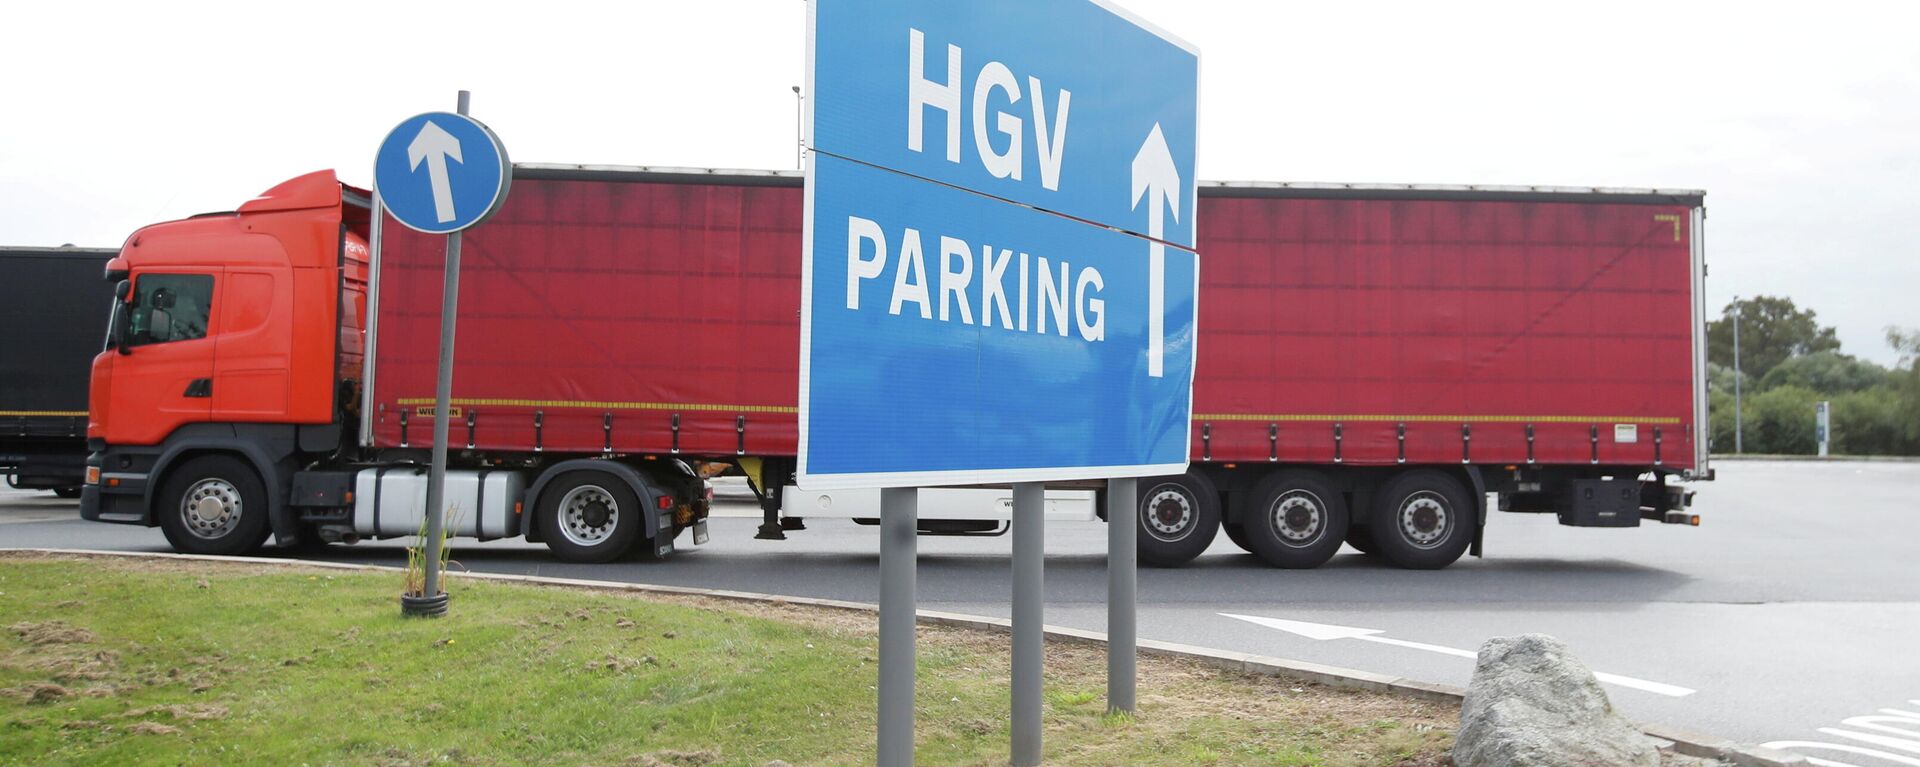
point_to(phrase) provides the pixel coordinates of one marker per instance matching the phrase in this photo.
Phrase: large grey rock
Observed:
(1532, 704)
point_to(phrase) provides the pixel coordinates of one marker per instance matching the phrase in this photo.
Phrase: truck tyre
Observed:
(213, 504)
(1360, 537)
(1295, 519)
(1422, 520)
(1237, 533)
(68, 493)
(1178, 516)
(589, 516)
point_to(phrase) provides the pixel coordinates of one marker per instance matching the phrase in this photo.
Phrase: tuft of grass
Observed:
(414, 576)
(131, 662)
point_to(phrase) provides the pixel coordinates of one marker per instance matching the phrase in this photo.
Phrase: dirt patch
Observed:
(621, 664)
(152, 728)
(43, 633)
(188, 712)
(37, 692)
(670, 758)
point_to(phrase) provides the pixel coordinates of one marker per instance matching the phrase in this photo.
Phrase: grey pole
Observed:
(1738, 427)
(899, 524)
(1122, 594)
(442, 396)
(1823, 424)
(1029, 599)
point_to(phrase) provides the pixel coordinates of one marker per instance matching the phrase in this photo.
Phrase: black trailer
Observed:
(53, 319)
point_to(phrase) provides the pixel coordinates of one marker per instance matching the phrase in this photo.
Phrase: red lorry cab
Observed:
(258, 316)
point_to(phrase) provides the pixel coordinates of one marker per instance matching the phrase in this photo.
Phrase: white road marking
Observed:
(1324, 632)
(1908, 739)
(1784, 745)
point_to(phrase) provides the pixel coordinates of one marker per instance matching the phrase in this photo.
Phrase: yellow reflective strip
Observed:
(1270, 417)
(66, 413)
(587, 404)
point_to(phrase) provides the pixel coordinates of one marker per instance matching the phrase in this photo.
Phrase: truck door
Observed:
(251, 371)
(165, 378)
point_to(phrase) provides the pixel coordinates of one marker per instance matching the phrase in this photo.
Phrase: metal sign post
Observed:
(1122, 579)
(899, 524)
(414, 178)
(999, 284)
(1029, 615)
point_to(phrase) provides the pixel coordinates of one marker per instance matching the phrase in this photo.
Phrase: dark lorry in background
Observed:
(53, 318)
(1374, 361)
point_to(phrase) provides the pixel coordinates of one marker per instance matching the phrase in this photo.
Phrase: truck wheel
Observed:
(1422, 520)
(213, 504)
(1296, 519)
(1179, 515)
(589, 516)
(68, 493)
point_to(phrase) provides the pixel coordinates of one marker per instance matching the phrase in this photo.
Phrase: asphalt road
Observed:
(1793, 608)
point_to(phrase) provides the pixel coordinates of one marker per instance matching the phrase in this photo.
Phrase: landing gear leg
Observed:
(770, 527)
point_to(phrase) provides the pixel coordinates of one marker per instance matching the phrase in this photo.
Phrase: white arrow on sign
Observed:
(1156, 178)
(1324, 632)
(433, 146)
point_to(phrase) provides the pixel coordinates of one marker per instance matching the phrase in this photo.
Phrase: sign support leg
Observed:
(1029, 600)
(1122, 594)
(899, 524)
(442, 400)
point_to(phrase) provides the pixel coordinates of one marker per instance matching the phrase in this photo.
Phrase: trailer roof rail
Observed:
(1518, 193)
(1301, 189)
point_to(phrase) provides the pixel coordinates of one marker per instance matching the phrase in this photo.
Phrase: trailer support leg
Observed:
(766, 486)
(1122, 584)
(770, 529)
(899, 526)
(1029, 600)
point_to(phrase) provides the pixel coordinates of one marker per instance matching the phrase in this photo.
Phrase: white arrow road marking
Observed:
(1784, 745)
(1908, 739)
(434, 145)
(1157, 178)
(1324, 632)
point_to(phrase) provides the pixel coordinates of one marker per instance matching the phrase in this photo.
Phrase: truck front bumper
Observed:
(119, 497)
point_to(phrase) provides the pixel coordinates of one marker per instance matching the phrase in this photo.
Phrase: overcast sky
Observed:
(1801, 121)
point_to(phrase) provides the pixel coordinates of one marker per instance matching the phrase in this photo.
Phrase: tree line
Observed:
(1788, 363)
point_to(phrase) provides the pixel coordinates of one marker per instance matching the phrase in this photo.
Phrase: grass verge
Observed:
(119, 661)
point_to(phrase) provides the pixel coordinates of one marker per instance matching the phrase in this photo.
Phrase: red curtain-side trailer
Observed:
(1373, 360)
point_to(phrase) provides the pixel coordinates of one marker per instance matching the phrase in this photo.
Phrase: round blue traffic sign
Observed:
(441, 172)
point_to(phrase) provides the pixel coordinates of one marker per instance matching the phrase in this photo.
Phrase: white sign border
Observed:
(962, 477)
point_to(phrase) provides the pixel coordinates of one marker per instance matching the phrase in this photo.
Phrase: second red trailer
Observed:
(1544, 344)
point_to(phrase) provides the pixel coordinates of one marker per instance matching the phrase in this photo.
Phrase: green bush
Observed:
(1868, 423)
(1781, 421)
(1827, 372)
(1720, 421)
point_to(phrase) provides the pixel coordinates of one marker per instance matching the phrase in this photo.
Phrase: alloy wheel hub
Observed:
(1297, 517)
(1424, 519)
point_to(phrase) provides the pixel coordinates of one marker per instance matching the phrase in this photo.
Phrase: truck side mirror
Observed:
(122, 315)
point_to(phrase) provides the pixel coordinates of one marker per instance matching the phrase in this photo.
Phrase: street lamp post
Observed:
(799, 128)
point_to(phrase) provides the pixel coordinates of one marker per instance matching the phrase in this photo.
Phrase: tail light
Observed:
(664, 502)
